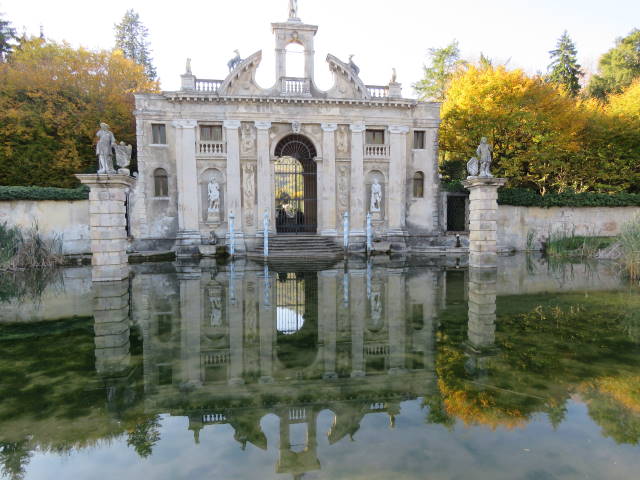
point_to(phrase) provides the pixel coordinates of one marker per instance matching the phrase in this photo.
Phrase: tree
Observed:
(7, 35)
(627, 103)
(52, 98)
(443, 63)
(131, 38)
(617, 68)
(564, 68)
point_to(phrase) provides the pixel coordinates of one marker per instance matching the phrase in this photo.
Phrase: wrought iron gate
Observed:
(296, 186)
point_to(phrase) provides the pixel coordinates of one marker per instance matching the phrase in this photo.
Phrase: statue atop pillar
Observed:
(480, 166)
(293, 10)
(104, 150)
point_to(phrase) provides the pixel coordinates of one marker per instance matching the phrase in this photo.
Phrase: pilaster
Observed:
(265, 182)
(397, 178)
(328, 195)
(234, 182)
(356, 214)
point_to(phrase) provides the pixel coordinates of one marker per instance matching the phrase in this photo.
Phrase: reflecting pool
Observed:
(389, 369)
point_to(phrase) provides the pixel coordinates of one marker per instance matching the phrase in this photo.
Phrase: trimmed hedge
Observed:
(529, 198)
(43, 193)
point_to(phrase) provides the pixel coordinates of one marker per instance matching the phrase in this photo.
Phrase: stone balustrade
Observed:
(295, 87)
(377, 151)
(220, 357)
(208, 86)
(378, 91)
(211, 149)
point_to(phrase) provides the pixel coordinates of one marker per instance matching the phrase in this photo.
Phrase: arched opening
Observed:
(294, 60)
(296, 185)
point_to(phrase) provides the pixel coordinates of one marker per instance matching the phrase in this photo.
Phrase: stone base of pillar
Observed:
(187, 243)
(329, 233)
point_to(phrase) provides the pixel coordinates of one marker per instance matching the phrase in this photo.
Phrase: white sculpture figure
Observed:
(376, 196)
(394, 76)
(484, 151)
(123, 157)
(213, 193)
(376, 309)
(188, 67)
(472, 167)
(216, 310)
(293, 9)
(104, 149)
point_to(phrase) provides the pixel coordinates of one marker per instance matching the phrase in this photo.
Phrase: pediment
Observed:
(242, 79)
(347, 83)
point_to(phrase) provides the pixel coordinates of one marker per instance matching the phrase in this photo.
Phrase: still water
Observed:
(386, 370)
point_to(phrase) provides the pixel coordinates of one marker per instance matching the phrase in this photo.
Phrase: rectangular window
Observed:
(375, 137)
(211, 133)
(418, 140)
(159, 133)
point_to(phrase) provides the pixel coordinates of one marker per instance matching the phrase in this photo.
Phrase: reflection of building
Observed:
(304, 155)
(353, 341)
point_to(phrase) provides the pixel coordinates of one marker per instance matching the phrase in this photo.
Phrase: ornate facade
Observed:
(304, 156)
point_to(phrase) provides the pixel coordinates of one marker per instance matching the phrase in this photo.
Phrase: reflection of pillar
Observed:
(236, 328)
(483, 220)
(395, 299)
(357, 311)
(267, 325)
(397, 178)
(233, 198)
(190, 323)
(482, 307)
(265, 183)
(111, 327)
(328, 195)
(327, 298)
(357, 179)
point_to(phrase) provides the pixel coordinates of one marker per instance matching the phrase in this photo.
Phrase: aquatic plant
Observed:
(28, 248)
(630, 247)
(564, 243)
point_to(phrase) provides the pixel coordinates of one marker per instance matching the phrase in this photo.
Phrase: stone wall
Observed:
(70, 219)
(516, 224)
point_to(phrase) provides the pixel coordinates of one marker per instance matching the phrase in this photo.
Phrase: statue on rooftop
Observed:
(104, 149)
(293, 9)
(188, 67)
(394, 76)
(235, 61)
(353, 66)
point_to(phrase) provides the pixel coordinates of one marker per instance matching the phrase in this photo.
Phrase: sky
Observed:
(382, 34)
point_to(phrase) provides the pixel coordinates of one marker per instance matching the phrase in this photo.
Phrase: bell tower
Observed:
(294, 31)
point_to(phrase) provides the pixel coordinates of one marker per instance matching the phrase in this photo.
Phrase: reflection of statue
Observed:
(293, 9)
(376, 308)
(216, 310)
(213, 193)
(123, 157)
(376, 196)
(104, 149)
(484, 154)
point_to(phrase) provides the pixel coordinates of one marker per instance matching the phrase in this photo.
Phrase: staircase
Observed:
(299, 247)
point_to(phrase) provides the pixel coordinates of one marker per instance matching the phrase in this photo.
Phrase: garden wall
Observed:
(516, 224)
(67, 218)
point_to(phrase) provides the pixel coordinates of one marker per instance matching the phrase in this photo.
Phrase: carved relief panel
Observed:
(248, 193)
(247, 139)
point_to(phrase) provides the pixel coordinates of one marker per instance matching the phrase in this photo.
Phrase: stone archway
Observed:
(295, 189)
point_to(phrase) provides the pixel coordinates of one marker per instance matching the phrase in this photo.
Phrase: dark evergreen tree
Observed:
(7, 36)
(564, 68)
(131, 38)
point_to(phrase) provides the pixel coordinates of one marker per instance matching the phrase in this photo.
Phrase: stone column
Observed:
(327, 298)
(265, 182)
(483, 220)
(108, 225)
(188, 237)
(357, 214)
(233, 197)
(111, 327)
(328, 196)
(397, 179)
(357, 316)
(190, 323)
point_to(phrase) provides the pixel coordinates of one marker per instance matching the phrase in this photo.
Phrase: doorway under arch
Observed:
(296, 188)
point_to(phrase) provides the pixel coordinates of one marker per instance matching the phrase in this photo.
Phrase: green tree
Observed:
(617, 68)
(7, 36)
(443, 63)
(564, 68)
(131, 38)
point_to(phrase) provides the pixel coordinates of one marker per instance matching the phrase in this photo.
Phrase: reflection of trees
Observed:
(14, 457)
(144, 435)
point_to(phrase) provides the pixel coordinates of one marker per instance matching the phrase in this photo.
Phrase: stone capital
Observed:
(357, 127)
(398, 129)
(329, 127)
(184, 123)
(260, 125)
(231, 124)
(479, 182)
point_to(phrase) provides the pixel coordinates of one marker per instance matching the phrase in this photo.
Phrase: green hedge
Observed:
(529, 198)
(43, 193)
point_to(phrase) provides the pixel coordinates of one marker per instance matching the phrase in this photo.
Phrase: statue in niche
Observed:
(484, 151)
(104, 149)
(248, 139)
(216, 309)
(376, 196)
(293, 9)
(123, 157)
(213, 196)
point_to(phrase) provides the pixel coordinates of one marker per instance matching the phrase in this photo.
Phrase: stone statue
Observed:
(235, 61)
(472, 167)
(484, 151)
(394, 76)
(188, 67)
(376, 196)
(293, 9)
(353, 66)
(123, 157)
(213, 193)
(104, 149)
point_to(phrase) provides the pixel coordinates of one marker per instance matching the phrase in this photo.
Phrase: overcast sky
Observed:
(381, 33)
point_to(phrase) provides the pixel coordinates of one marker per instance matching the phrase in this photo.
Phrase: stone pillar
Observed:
(357, 214)
(327, 299)
(111, 327)
(188, 237)
(233, 197)
(328, 196)
(397, 179)
(265, 182)
(397, 321)
(190, 323)
(108, 225)
(482, 307)
(357, 315)
(235, 319)
(483, 220)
